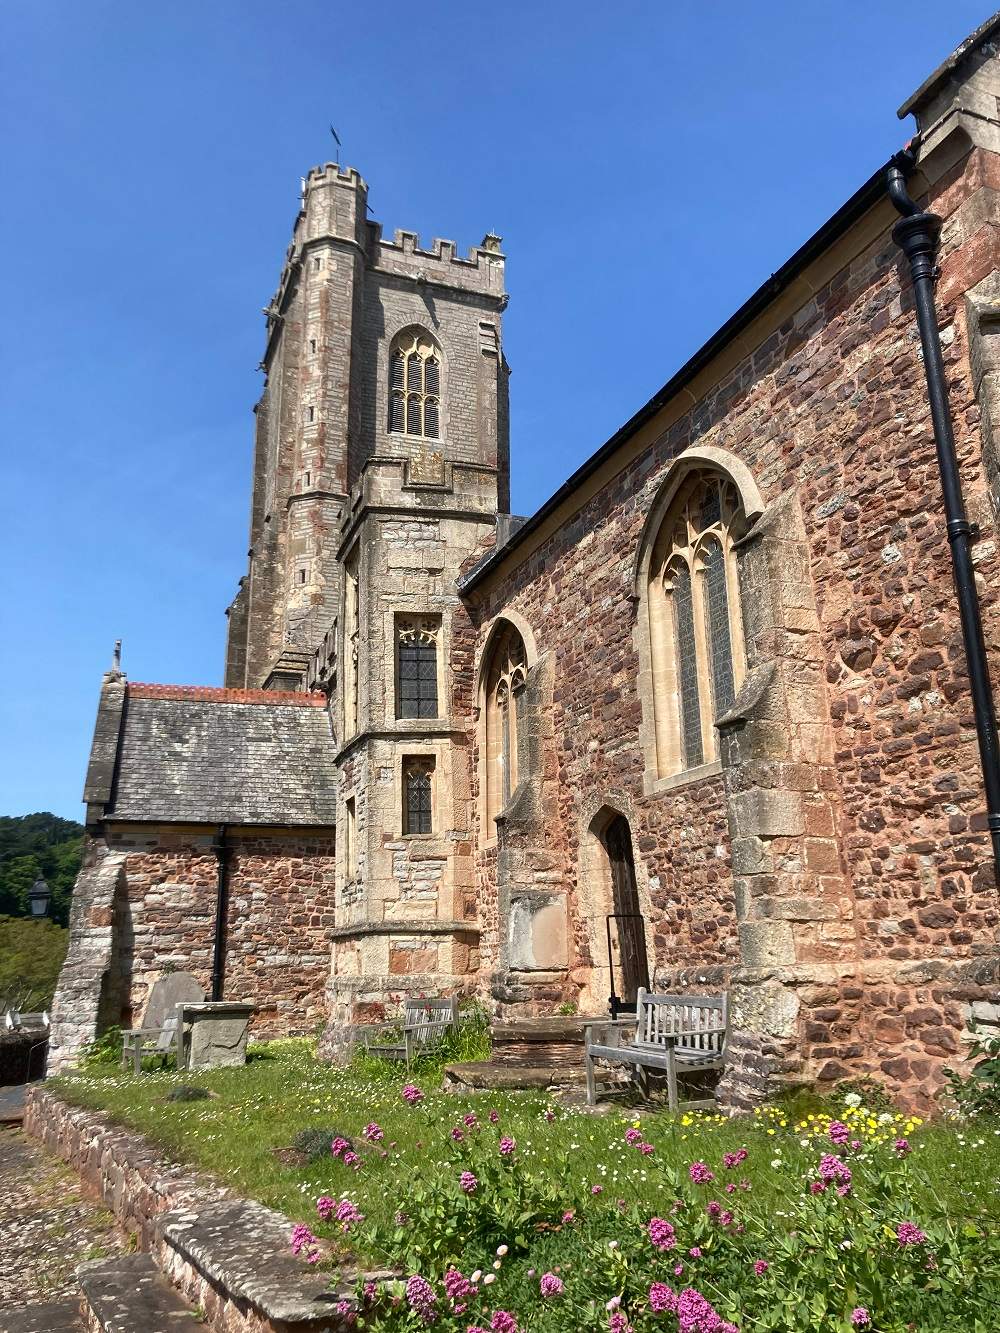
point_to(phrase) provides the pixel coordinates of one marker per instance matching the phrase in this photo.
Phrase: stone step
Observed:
(553, 1028)
(551, 1054)
(499, 1075)
(52, 1317)
(127, 1294)
(233, 1255)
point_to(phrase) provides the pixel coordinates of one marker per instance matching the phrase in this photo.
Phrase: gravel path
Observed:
(47, 1226)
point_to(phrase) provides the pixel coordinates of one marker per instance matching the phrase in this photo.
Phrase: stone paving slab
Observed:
(128, 1294)
(52, 1317)
(12, 1104)
(47, 1225)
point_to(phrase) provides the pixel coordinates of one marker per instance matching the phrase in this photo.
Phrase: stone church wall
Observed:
(828, 410)
(279, 922)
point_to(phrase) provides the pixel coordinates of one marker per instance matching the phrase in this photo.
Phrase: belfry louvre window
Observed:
(418, 791)
(415, 385)
(417, 667)
(695, 623)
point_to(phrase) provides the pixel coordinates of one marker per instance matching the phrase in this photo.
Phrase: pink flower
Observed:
(760, 1267)
(502, 1322)
(833, 1171)
(412, 1094)
(352, 1160)
(304, 1242)
(902, 1147)
(457, 1134)
(700, 1173)
(839, 1133)
(662, 1234)
(550, 1115)
(339, 1145)
(908, 1234)
(470, 1121)
(597, 1189)
(507, 1146)
(373, 1133)
(457, 1288)
(325, 1206)
(731, 1159)
(730, 1188)
(646, 1149)
(348, 1214)
(421, 1298)
(494, 1117)
(662, 1298)
(632, 1137)
(550, 1285)
(696, 1315)
(618, 1323)
(695, 1251)
(860, 1317)
(468, 1182)
(744, 1184)
(569, 1216)
(714, 1209)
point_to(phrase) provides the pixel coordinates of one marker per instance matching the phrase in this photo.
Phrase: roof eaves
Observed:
(845, 217)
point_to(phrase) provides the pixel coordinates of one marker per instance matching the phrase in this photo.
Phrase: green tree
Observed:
(31, 954)
(33, 845)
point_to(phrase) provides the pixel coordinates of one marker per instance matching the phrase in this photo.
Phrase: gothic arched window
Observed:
(695, 624)
(415, 385)
(504, 679)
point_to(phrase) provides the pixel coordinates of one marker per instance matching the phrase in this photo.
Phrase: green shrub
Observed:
(979, 1090)
(315, 1143)
(187, 1093)
(103, 1051)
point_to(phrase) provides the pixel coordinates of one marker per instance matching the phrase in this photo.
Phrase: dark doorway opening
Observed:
(626, 926)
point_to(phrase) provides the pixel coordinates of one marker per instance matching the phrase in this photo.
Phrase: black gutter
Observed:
(917, 235)
(221, 849)
(859, 203)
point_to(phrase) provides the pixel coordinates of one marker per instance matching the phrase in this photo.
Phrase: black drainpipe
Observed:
(221, 849)
(917, 236)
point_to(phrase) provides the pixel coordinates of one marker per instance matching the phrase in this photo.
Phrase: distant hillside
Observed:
(38, 844)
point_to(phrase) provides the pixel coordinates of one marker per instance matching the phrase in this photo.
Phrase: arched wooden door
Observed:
(632, 970)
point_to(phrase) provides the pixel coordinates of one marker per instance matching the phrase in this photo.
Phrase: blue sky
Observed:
(151, 162)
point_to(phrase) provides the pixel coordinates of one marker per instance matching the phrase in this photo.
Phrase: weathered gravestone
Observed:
(169, 991)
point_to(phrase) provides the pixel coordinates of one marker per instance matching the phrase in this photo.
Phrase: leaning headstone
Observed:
(169, 991)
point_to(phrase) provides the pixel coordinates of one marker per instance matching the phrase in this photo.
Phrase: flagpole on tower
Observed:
(340, 146)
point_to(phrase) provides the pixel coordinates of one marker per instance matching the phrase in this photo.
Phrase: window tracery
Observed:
(695, 625)
(417, 666)
(503, 683)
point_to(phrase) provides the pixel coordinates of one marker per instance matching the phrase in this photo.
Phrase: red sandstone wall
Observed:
(833, 404)
(281, 913)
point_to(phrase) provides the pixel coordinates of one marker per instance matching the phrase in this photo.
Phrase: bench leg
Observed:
(671, 1079)
(591, 1080)
(137, 1058)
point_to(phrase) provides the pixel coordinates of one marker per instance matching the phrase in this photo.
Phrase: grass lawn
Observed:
(256, 1112)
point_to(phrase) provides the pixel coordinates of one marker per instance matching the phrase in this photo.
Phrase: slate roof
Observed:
(188, 754)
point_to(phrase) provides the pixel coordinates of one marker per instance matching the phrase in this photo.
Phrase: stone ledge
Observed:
(230, 1256)
(241, 1248)
(128, 1293)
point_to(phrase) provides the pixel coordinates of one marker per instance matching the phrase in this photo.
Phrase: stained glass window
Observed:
(720, 641)
(696, 632)
(687, 669)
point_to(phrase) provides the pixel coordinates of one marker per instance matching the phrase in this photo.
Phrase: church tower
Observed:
(380, 464)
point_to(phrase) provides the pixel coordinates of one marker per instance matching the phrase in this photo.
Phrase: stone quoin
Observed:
(714, 688)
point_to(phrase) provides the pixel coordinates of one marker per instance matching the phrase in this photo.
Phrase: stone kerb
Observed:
(228, 1255)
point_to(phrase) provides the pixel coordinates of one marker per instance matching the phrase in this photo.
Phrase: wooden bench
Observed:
(424, 1023)
(674, 1034)
(15, 1021)
(162, 1041)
